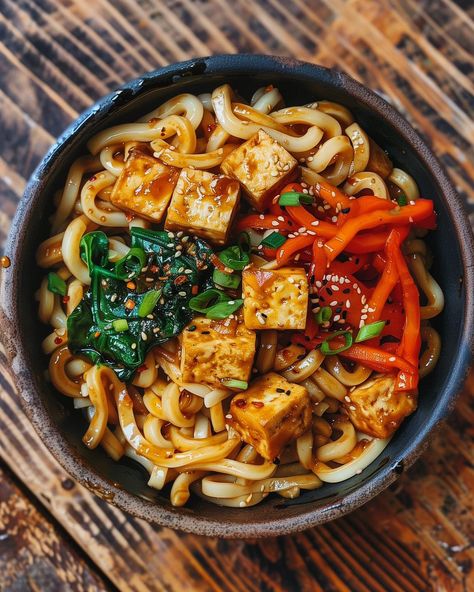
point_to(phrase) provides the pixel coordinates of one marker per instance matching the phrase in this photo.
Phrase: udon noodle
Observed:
(221, 385)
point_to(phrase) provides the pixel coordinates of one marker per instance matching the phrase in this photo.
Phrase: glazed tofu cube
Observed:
(144, 186)
(203, 204)
(262, 166)
(212, 351)
(376, 409)
(275, 299)
(270, 414)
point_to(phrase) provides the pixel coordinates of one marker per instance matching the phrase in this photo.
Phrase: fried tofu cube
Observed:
(270, 414)
(262, 166)
(376, 409)
(203, 204)
(212, 352)
(275, 299)
(144, 186)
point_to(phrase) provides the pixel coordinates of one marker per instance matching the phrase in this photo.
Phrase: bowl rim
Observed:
(153, 512)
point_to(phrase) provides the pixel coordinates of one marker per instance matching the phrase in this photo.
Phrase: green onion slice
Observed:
(402, 199)
(207, 299)
(223, 309)
(274, 240)
(233, 383)
(323, 315)
(370, 331)
(326, 348)
(120, 325)
(149, 302)
(234, 257)
(244, 242)
(294, 198)
(56, 284)
(226, 280)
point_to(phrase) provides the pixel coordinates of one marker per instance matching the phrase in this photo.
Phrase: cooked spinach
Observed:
(159, 275)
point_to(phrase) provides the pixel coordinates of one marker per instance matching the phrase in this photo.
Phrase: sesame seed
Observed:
(143, 335)
(336, 318)
(231, 302)
(170, 245)
(170, 235)
(318, 284)
(177, 254)
(302, 229)
(281, 218)
(315, 223)
(392, 359)
(333, 303)
(134, 346)
(275, 223)
(262, 217)
(113, 298)
(182, 293)
(348, 303)
(334, 287)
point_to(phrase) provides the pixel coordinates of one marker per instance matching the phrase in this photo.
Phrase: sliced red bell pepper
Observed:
(265, 221)
(405, 215)
(389, 277)
(332, 195)
(292, 246)
(377, 359)
(410, 344)
(319, 263)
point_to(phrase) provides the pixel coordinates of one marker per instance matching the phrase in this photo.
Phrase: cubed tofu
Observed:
(270, 414)
(203, 204)
(262, 166)
(376, 409)
(212, 352)
(144, 187)
(275, 299)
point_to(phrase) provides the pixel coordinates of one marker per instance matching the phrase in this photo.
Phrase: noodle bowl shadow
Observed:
(125, 484)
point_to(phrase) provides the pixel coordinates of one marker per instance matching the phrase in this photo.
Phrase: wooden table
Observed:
(59, 56)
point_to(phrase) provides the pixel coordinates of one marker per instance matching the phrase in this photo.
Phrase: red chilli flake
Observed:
(141, 368)
(257, 404)
(66, 299)
(97, 334)
(58, 340)
(93, 178)
(240, 403)
(194, 290)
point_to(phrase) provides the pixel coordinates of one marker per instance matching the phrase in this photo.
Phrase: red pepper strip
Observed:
(379, 262)
(332, 195)
(312, 327)
(267, 252)
(255, 221)
(292, 246)
(389, 277)
(398, 215)
(410, 344)
(364, 205)
(319, 263)
(377, 359)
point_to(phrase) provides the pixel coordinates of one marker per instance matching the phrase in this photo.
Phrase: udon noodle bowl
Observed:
(239, 295)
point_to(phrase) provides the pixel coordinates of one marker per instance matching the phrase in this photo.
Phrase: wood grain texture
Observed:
(59, 56)
(34, 553)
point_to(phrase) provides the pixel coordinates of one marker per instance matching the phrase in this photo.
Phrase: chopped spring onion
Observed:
(234, 257)
(223, 309)
(370, 331)
(294, 198)
(244, 242)
(326, 348)
(402, 200)
(232, 383)
(120, 325)
(56, 284)
(323, 315)
(273, 240)
(226, 280)
(205, 300)
(148, 303)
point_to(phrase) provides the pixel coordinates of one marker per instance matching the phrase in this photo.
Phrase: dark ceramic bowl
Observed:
(125, 485)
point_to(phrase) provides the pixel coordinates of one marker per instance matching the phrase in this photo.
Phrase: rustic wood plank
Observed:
(34, 553)
(57, 57)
